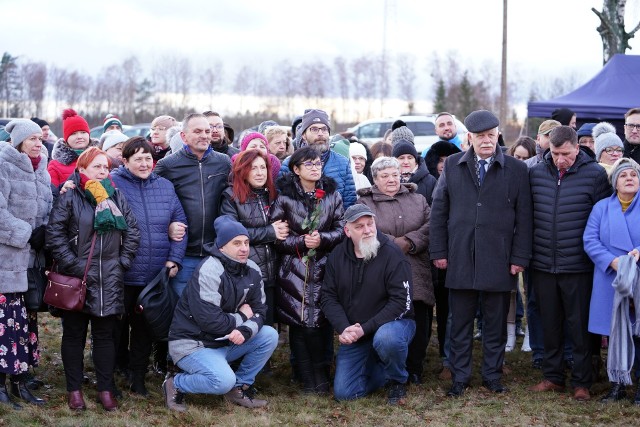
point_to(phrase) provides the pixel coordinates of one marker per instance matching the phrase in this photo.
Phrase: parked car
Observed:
(140, 129)
(97, 131)
(423, 128)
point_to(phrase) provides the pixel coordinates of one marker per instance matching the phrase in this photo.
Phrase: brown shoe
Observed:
(244, 396)
(445, 375)
(546, 385)
(109, 402)
(581, 394)
(76, 401)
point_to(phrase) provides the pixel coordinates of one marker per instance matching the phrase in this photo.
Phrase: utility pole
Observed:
(503, 77)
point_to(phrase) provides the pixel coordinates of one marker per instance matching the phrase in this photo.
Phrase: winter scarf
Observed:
(621, 349)
(107, 216)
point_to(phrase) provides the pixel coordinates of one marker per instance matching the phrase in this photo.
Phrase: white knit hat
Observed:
(357, 149)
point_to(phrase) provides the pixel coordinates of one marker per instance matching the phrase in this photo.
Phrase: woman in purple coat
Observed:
(612, 231)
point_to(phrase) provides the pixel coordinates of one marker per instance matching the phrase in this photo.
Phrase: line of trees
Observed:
(175, 84)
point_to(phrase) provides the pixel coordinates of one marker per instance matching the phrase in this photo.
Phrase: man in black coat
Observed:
(481, 233)
(564, 188)
(632, 134)
(366, 296)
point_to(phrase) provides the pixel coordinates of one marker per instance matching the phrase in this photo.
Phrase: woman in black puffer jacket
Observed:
(313, 209)
(78, 214)
(248, 200)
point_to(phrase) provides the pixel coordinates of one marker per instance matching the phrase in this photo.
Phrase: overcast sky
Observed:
(546, 37)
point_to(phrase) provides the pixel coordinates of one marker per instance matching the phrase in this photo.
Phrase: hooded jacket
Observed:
(199, 185)
(69, 234)
(25, 203)
(208, 307)
(155, 205)
(561, 208)
(254, 214)
(371, 293)
(63, 161)
(406, 214)
(298, 303)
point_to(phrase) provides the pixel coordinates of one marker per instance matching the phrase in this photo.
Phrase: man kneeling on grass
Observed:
(219, 319)
(366, 295)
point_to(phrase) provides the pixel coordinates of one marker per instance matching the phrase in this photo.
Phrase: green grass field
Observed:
(426, 404)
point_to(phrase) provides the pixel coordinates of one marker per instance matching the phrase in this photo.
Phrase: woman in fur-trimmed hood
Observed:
(68, 148)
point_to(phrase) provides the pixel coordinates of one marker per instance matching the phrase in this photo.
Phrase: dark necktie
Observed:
(482, 170)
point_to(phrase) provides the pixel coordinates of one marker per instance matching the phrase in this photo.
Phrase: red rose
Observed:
(320, 193)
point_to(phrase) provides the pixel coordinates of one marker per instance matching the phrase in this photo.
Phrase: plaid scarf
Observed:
(107, 215)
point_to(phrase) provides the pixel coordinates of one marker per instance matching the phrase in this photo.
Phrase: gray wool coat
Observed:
(405, 214)
(482, 230)
(25, 203)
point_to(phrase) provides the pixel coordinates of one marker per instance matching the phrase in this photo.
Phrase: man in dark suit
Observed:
(481, 233)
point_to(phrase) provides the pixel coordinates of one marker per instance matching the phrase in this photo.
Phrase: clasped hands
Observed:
(351, 334)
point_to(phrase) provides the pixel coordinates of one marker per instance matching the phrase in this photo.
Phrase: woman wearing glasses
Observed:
(608, 145)
(312, 207)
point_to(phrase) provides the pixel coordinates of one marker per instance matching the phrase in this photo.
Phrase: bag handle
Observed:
(93, 245)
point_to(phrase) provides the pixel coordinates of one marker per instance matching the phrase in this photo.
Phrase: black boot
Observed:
(32, 382)
(20, 390)
(636, 399)
(320, 379)
(5, 399)
(305, 371)
(137, 384)
(616, 392)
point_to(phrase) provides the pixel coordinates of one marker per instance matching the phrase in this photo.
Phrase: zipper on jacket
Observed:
(554, 228)
(266, 246)
(100, 278)
(146, 218)
(203, 208)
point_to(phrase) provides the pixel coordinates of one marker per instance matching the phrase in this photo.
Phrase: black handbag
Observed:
(34, 297)
(156, 302)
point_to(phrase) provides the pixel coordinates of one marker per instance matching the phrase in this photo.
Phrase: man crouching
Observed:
(219, 318)
(366, 295)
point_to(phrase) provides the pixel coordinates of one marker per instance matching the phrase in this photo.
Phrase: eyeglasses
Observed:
(611, 150)
(632, 126)
(312, 165)
(316, 130)
(217, 127)
(158, 129)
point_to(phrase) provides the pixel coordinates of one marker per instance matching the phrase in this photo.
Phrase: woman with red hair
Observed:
(92, 215)
(248, 199)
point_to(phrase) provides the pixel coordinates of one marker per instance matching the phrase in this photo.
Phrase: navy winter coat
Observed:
(155, 205)
(561, 209)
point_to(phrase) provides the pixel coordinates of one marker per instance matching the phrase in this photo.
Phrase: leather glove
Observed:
(403, 243)
(37, 238)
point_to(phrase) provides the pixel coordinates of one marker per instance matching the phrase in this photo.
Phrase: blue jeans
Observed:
(208, 370)
(360, 370)
(189, 264)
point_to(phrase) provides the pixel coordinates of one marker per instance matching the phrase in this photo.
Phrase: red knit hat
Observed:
(72, 122)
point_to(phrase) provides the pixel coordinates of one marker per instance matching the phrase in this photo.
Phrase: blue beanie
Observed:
(227, 229)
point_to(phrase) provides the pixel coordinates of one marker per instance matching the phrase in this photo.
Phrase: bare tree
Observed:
(406, 78)
(9, 80)
(210, 80)
(342, 77)
(285, 82)
(35, 77)
(614, 37)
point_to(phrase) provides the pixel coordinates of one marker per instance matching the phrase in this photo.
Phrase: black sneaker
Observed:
(457, 389)
(494, 386)
(396, 394)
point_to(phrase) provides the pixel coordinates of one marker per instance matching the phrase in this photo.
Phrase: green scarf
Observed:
(107, 216)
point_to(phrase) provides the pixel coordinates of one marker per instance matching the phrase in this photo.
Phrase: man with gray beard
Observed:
(366, 296)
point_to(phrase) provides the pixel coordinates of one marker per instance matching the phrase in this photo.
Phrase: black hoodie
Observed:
(370, 293)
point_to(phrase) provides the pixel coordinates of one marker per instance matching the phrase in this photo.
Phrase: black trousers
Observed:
(74, 338)
(141, 338)
(463, 305)
(442, 306)
(565, 297)
(418, 347)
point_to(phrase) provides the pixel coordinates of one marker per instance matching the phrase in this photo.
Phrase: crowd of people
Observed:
(323, 236)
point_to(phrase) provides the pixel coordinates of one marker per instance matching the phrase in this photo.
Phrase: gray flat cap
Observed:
(481, 120)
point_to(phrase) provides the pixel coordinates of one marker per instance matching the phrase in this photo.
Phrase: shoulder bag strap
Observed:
(86, 269)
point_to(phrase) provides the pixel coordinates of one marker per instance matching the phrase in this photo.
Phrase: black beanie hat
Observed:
(563, 115)
(404, 147)
(398, 123)
(39, 122)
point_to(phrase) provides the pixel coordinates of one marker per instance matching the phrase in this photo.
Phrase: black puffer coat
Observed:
(255, 216)
(424, 180)
(561, 209)
(293, 205)
(69, 235)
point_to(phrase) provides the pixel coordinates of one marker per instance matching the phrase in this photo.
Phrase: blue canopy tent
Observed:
(607, 96)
